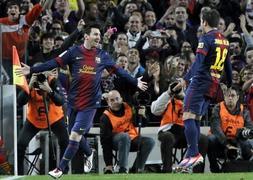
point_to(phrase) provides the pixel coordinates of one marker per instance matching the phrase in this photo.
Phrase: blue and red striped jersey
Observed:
(211, 59)
(86, 67)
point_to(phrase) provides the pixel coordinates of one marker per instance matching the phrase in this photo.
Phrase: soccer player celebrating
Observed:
(86, 63)
(203, 81)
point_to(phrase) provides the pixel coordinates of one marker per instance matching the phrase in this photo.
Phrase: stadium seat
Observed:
(32, 164)
(175, 158)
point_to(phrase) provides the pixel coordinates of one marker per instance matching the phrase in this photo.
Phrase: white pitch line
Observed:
(13, 177)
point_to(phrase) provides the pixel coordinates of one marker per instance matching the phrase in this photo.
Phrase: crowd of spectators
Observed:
(155, 39)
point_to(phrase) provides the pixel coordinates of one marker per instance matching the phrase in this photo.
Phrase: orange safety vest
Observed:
(173, 115)
(124, 123)
(36, 113)
(230, 123)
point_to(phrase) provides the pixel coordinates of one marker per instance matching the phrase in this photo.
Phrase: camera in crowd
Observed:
(245, 133)
(41, 78)
(176, 93)
(233, 153)
(172, 85)
(142, 98)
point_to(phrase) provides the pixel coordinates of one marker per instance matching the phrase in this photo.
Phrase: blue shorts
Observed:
(81, 121)
(195, 101)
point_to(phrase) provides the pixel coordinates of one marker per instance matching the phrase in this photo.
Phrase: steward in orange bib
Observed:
(119, 133)
(230, 127)
(169, 105)
(36, 114)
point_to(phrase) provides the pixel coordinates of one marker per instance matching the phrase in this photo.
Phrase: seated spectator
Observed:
(36, 114)
(150, 20)
(153, 72)
(134, 67)
(229, 119)
(248, 88)
(226, 31)
(168, 20)
(237, 83)
(174, 67)
(180, 68)
(249, 56)
(119, 133)
(235, 48)
(16, 31)
(57, 28)
(69, 18)
(161, 41)
(143, 6)
(122, 12)
(91, 12)
(171, 132)
(168, 69)
(104, 12)
(118, 46)
(134, 30)
(187, 52)
(58, 41)
(185, 32)
(25, 6)
(45, 22)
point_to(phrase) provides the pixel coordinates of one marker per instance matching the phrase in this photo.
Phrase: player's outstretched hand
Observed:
(141, 84)
(25, 70)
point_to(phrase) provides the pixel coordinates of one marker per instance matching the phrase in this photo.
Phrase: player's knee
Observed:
(74, 136)
(191, 115)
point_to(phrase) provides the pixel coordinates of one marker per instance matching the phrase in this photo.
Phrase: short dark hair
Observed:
(56, 21)
(121, 55)
(235, 39)
(151, 53)
(47, 36)
(12, 3)
(235, 88)
(119, 33)
(87, 29)
(59, 38)
(250, 48)
(211, 16)
(248, 67)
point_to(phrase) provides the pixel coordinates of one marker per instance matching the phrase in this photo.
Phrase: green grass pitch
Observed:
(206, 176)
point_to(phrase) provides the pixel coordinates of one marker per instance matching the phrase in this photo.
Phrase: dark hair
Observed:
(87, 29)
(87, 7)
(46, 36)
(212, 17)
(235, 88)
(235, 39)
(56, 21)
(12, 3)
(248, 67)
(59, 38)
(120, 55)
(119, 33)
(152, 54)
(250, 48)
